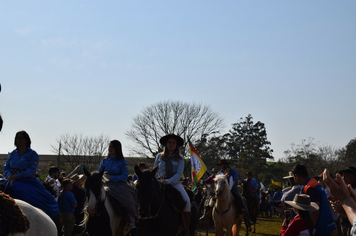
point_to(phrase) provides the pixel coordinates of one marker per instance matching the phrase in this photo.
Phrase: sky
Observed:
(89, 67)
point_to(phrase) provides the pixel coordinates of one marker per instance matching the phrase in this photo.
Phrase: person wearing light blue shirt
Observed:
(170, 169)
(20, 181)
(116, 173)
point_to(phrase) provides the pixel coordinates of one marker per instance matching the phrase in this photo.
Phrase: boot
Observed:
(207, 209)
(186, 223)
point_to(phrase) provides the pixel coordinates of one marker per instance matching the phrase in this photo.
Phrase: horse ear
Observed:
(102, 171)
(87, 173)
(154, 170)
(137, 170)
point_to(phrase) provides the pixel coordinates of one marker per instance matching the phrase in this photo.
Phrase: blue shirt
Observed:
(254, 184)
(117, 169)
(178, 167)
(277, 196)
(233, 173)
(66, 201)
(28, 162)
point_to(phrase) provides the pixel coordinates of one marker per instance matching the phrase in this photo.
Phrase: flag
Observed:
(274, 181)
(262, 186)
(198, 166)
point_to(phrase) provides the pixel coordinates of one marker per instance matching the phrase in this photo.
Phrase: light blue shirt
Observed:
(117, 169)
(178, 168)
(28, 162)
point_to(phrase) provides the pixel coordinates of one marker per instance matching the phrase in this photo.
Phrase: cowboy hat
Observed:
(290, 176)
(350, 169)
(302, 202)
(249, 173)
(223, 162)
(76, 178)
(164, 139)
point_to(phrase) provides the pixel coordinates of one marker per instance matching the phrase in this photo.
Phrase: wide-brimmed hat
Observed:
(76, 178)
(164, 139)
(213, 170)
(249, 173)
(350, 169)
(223, 162)
(290, 176)
(66, 181)
(302, 202)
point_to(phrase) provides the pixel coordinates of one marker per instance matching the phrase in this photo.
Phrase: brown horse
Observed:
(252, 204)
(224, 211)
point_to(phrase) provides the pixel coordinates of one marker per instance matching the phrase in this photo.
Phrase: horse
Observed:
(102, 215)
(208, 192)
(159, 206)
(224, 211)
(18, 218)
(252, 204)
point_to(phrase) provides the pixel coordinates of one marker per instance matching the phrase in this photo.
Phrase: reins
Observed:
(150, 205)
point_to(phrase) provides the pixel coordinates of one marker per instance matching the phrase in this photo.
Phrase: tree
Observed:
(247, 142)
(350, 155)
(190, 121)
(78, 149)
(315, 158)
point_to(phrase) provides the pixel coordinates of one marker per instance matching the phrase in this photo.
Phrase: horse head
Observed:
(221, 186)
(147, 190)
(94, 190)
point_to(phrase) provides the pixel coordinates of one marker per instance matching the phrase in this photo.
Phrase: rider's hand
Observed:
(163, 181)
(11, 177)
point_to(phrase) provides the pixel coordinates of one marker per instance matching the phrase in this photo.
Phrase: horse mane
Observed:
(12, 218)
(220, 177)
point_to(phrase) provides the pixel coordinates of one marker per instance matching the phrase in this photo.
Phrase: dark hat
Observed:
(223, 162)
(249, 173)
(350, 169)
(164, 139)
(302, 202)
(227, 167)
(66, 181)
(213, 170)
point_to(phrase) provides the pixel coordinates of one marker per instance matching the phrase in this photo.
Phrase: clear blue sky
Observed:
(89, 67)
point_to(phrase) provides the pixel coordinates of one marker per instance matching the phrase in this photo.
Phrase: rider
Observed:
(253, 186)
(21, 183)
(170, 169)
(116, 173)
(240, 205)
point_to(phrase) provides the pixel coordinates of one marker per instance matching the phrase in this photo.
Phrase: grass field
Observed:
(264, 226)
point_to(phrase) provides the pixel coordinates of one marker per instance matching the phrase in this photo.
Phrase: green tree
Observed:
(247, 142)
(350, 155)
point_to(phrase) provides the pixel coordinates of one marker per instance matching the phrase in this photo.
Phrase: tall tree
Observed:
(78, 149)
(247, 142)
(350, 155)
(190, 121)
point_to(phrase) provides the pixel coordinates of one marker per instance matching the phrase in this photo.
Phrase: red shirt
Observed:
(296, 227)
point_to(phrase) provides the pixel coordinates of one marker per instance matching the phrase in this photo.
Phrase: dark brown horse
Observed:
(159, 206)
(252, 204)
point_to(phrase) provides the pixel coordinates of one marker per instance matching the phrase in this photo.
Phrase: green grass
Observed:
(264, 226)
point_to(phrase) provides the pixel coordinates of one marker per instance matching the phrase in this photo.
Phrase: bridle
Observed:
(150, 217)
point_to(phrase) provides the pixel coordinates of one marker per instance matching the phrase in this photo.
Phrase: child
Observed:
(67, 204)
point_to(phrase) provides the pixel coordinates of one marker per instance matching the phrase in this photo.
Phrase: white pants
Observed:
(185, 196)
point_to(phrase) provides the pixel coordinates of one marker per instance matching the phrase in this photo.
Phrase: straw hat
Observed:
(76, 178)
(290, 176)
(302, 202)
(164, 139)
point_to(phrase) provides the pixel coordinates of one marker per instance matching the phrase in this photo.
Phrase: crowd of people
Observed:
(321, 205)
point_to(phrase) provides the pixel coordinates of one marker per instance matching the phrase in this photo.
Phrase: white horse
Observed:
(19, 218)
(40, 223)
(224, 211)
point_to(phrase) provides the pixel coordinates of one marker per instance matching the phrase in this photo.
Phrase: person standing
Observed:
(290, 194)
(79, 195)
(52, 181)
(170, 169)
(116, 173)
(322, 218)
(67, 204)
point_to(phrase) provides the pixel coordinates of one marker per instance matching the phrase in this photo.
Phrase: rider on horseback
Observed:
(253, 186)
(170, 169)
(232, 176)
